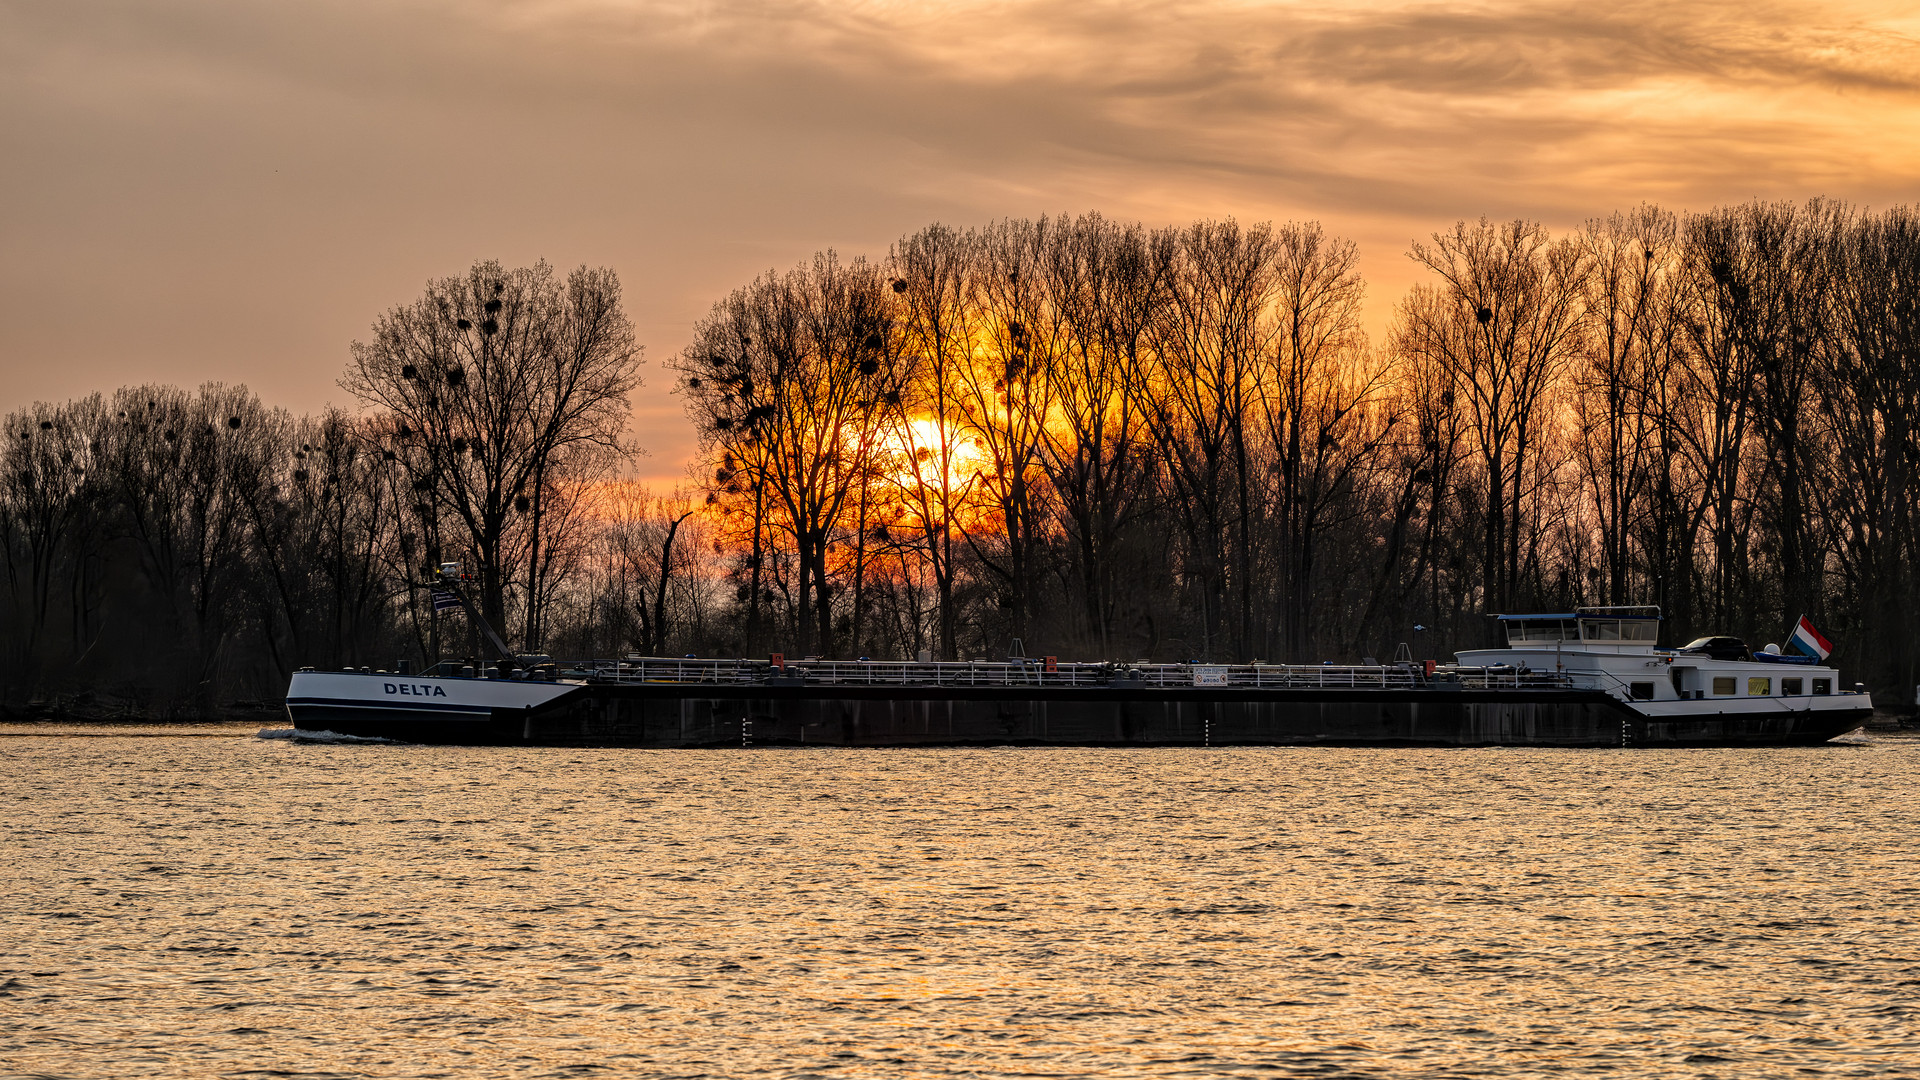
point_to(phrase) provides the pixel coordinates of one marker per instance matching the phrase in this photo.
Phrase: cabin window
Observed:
(1723, 686)
(1641, 691)
(1759, 686)
(1791, 687)
(1823, 686)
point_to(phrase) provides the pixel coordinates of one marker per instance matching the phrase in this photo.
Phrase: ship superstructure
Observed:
(1613, 650)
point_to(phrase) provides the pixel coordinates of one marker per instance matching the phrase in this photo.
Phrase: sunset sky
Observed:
(229, 190)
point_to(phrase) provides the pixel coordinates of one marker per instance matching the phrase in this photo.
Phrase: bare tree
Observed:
(49, 529)
(1005, 398)
(1630, 350)
(791, 369)
(1868, 386)
(939, 327)
(321, 523)
(492, 384)
(1504, 322)
(649, 542)
(1314, 389)
(1210, 341)
(173, 467)
(1768, 287)
(1107, 281)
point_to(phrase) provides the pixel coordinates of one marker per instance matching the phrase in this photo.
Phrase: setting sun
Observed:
(916, 453)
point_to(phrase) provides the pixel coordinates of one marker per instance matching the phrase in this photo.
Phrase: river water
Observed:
(225, 905)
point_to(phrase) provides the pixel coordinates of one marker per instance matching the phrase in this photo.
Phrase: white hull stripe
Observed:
(399, 706)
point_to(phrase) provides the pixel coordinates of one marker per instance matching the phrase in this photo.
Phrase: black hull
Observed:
(664, 716)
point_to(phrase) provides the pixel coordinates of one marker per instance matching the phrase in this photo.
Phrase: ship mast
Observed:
(447, 579)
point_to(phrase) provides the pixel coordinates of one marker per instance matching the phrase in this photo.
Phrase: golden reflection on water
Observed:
(231, 906)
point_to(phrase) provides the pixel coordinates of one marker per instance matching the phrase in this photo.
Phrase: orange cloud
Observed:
(228, 190)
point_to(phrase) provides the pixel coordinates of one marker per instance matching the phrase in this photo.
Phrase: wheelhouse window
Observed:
(1641, 691)
(1723, 686)
(1541, 631)
(1822, 686)
(1791, 687)
(1635, 630)
(1760, 686)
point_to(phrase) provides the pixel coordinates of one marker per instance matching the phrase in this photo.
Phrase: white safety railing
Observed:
(1037, 673)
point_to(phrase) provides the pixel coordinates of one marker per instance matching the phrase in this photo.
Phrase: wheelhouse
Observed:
(1637, 627)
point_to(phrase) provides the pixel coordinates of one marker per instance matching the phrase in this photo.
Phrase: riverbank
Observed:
(103, 708)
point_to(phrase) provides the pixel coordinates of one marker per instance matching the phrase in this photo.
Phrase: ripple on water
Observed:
(274, 908)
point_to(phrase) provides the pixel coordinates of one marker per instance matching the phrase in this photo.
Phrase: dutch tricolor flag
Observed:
(1809, 641)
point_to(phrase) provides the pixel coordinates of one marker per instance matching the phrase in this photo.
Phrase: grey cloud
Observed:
(1584, 46)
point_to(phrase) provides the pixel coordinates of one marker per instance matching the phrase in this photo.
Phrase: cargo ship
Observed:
(1592, 677)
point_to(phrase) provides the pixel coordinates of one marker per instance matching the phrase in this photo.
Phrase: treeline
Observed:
(1111, 441)
(1105, 440)
(168, 552)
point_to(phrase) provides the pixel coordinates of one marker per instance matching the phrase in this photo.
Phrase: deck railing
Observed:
(1037, 673)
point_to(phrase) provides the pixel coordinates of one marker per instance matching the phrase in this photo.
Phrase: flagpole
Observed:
(447, 582)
